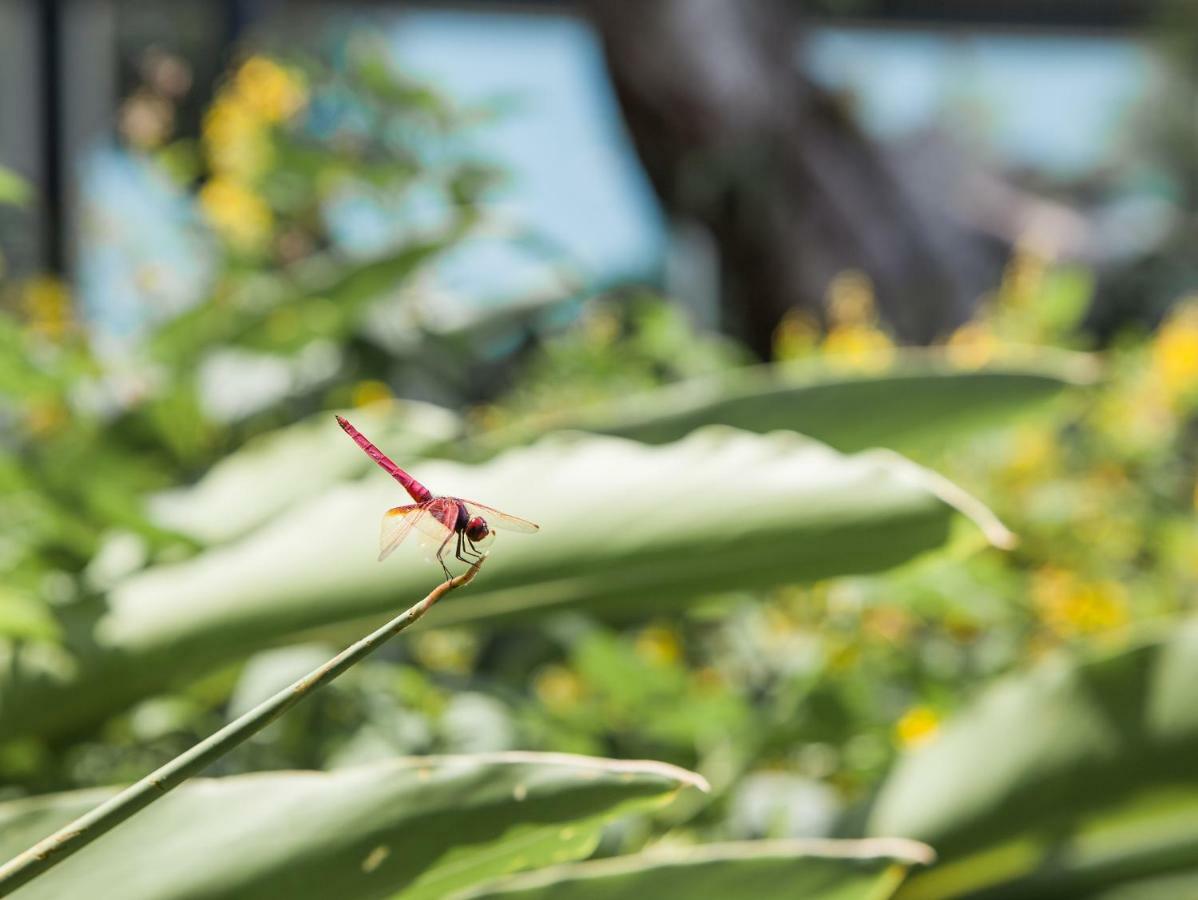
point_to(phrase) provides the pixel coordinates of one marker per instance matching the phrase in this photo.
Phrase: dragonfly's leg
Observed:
(471, 556)
(441, 556)
(461, 549)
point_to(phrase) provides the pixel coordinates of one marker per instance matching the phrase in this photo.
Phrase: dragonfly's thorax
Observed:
(463, 518)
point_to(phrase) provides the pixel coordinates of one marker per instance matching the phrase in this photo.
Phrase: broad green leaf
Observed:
(921, 399)
(761, 870)
(1076, 775)
(913, 402)
(425, 827)
(283, 468)
(627, 530)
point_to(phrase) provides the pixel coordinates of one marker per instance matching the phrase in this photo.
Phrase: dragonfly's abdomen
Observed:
(415, 489)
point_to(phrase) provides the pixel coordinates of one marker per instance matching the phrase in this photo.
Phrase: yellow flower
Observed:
(235, 138)
(369, 392)
(918, 725)
(1024, 275)
(46, 418)
(887, 623)
(1136, 415)
(659, 645)
(855, 337)
(1033, 455)
(972, 345)
(859, 347)
(557, 687)
(1070, 606)
(236, 212)
(271, 91)
(850, 299)
(1175, 351)
(47, 304)
(797, 335)
(446, 650)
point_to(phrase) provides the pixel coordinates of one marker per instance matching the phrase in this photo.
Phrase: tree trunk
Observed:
(732, 134)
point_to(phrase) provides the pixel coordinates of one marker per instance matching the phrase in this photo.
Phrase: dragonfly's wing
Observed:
(438, 525)
(500, 520)
(397, 524)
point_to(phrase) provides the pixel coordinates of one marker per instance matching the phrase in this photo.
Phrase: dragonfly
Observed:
(467, 525)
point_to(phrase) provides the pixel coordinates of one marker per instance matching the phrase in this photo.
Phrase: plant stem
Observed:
(78, 834)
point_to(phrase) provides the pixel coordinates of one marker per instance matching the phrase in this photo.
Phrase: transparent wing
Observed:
(500, 521)
(437, 525)
(397, 525)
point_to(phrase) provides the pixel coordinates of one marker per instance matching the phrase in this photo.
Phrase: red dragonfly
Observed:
(442, 520)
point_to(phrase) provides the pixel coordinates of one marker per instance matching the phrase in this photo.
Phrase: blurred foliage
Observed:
(92, 429)
(766, 870)
(1007, 795)
(795, 700)
(801, 511)
(432, 827)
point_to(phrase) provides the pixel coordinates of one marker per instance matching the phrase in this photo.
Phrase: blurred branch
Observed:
(78, 834)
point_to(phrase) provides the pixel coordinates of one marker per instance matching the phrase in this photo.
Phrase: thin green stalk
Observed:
(78, 834)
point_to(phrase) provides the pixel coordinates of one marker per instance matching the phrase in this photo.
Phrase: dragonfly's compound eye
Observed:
(477, 529)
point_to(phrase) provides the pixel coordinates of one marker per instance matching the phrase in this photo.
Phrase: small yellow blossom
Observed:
(1033, 454)
(1024, 276)
(659, 645)
(446, 650)
(1136, 416)
(236, 128)
(1175, 351)
(972, 345)
(918, 725)
(850, 300)
(235, 138)
(891, 624)
(797, 335)
(239, 214)
(46, 418)
(370, 392)
(557, 687)
(1070, 606)
(859, 347)
(47, 305)
(855, 338)
(271, 91)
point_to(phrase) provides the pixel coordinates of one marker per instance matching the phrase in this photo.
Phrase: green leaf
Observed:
(428, 827)
(323, 299)
(920, 399)
(279, 470)
(26, 617)
(1076, 775)
(627, 530)
(14, 190)
(762, 870)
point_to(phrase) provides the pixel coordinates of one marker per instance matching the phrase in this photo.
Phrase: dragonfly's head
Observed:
(477, 529)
